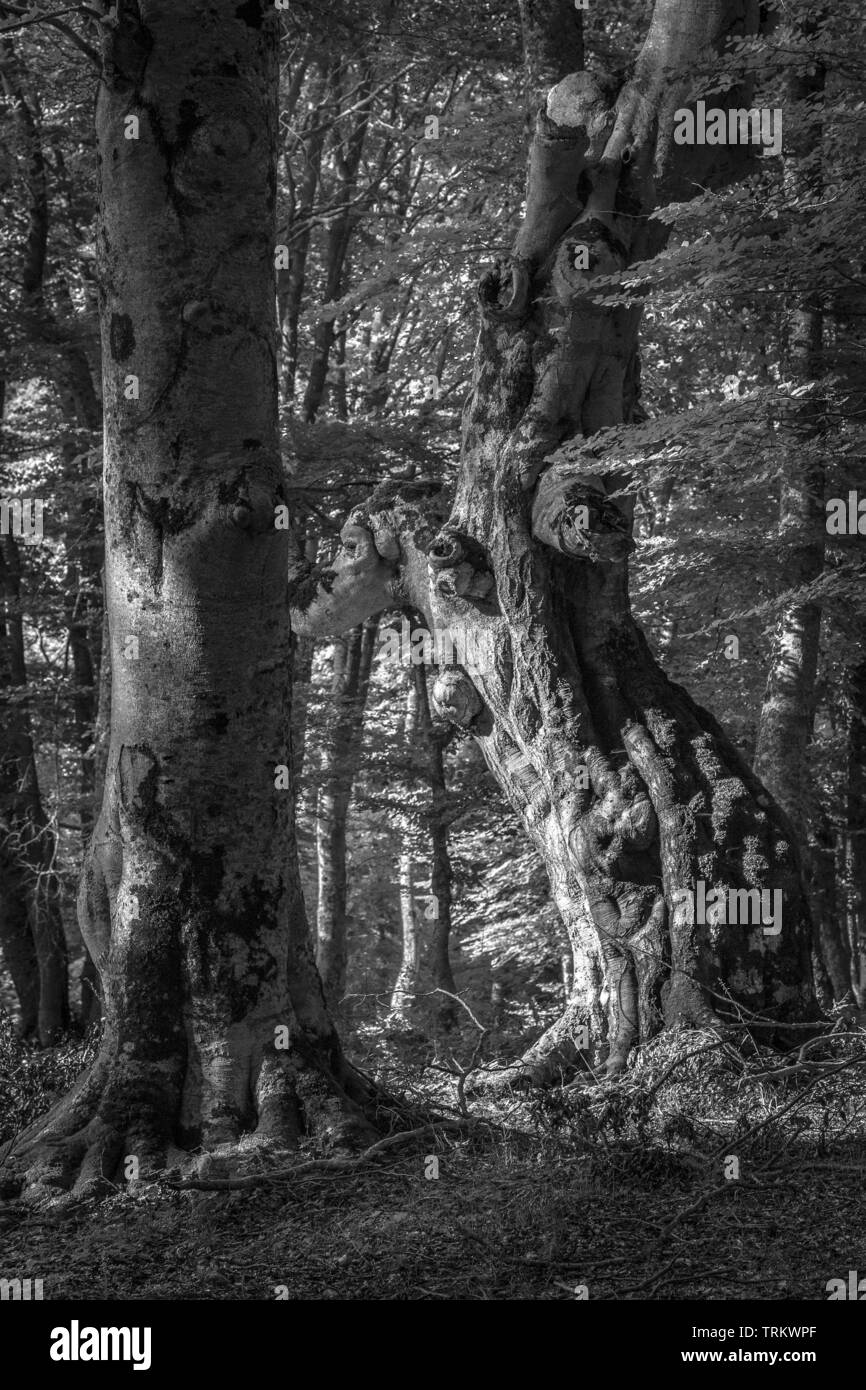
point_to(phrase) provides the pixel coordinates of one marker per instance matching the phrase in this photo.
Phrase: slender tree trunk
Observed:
(16, 943)
(190, 902)
(339, 236)
(353, 658)
(855, 825)
(425, 980)
(29, 842)
(73, 380)
(16, 938)
(827, 908)
(785, 724)
(787, 714)
(339, 393)
(438, 908)
(404, 997)
(13, 79)
(303, 652)
(291, 282)
(788, 710)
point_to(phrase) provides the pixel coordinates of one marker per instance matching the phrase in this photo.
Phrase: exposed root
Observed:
(339, 1163)
(123, 1122)
(552, 1060)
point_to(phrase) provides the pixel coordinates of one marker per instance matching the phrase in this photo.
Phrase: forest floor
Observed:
(702, 1174)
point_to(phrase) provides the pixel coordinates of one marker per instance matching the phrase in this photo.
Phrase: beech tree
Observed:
(216, 1029)
(190, 903)
(632, 792)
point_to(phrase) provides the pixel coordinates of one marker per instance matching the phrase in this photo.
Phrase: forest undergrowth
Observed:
(714, 1169)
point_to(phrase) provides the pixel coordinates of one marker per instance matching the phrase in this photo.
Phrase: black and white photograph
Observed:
(432, 670)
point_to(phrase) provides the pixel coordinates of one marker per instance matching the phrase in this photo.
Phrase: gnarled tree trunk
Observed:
(632, 793)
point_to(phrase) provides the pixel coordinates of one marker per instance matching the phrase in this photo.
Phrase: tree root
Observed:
(122, 1124)
(550, 1061)
(340, 1163)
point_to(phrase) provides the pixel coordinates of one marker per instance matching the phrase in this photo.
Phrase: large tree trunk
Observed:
(190, 903)
(632, 793)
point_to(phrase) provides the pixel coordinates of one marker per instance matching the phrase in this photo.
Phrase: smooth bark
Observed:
(190, 901)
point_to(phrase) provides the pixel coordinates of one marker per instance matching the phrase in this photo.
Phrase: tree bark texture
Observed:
(190, 900)
(632, 793)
